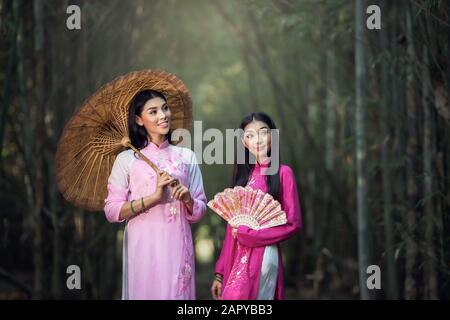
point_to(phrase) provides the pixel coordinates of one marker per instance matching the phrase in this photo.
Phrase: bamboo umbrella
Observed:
(98, 132)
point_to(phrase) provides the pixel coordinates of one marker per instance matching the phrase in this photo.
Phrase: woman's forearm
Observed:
(126, 212)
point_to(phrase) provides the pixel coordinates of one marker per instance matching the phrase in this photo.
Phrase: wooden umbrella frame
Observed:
(98, 131)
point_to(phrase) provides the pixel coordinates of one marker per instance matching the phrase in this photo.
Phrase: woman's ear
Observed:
(139, 121)
(244, 143)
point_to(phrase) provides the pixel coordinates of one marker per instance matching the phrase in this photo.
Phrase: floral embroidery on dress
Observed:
(176, 164)
(184, 278)
(186, 270)
(239, 278)
(172, 211)
(251, 181)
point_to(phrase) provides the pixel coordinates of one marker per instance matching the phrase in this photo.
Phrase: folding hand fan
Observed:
(247, 206)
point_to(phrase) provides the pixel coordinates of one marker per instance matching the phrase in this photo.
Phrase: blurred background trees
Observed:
(333, 90)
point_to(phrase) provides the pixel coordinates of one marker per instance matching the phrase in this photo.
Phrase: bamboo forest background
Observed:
(364, 118)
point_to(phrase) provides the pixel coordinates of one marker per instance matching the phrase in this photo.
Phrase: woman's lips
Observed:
(163, 124)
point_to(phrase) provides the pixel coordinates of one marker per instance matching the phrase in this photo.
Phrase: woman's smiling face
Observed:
(257, 138)
(155, 117)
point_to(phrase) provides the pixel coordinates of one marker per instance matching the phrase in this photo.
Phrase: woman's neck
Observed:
(262, 160)
(157, 139)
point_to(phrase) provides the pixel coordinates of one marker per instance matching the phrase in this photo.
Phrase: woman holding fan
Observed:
(263, 276)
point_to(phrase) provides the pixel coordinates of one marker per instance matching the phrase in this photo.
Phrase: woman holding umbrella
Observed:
(158, 206)
(115, 155)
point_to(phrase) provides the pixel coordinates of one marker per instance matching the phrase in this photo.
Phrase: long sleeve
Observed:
(290, 203)
(118, 188)
(196, 190)
(220, 264)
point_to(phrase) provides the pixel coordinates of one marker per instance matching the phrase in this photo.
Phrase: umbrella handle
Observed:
(126, 142)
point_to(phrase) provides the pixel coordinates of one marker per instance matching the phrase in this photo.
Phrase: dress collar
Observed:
(264, 164)
(261, 166)
(152, 146)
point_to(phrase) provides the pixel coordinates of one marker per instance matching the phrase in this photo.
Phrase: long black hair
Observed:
(242, 172)
(138, 134)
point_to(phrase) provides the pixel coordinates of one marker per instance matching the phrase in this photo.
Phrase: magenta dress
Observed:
(158, 252)
(260, 244)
